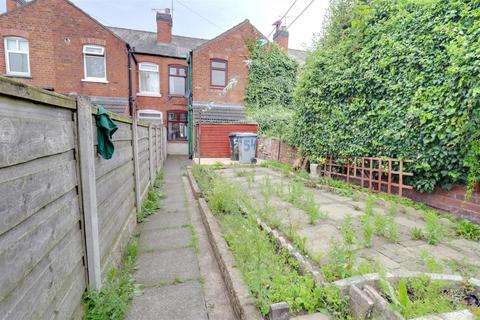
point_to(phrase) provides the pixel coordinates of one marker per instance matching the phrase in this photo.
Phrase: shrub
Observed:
(400, 79)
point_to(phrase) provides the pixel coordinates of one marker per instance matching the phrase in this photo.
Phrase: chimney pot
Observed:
(164, 26)
(281, 37)
(13, 4)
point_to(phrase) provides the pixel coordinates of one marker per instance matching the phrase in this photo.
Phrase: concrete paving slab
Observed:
(165, 221)
(161, 267)
(165, 239)
(174, 302)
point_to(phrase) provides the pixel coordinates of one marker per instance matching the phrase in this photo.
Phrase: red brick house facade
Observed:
(54, 45)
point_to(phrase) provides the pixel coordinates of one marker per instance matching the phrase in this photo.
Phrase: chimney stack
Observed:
(13, 4)
(164, 26)
(281, 37)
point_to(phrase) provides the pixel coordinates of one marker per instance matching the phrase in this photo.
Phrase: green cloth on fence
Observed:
(105, 130)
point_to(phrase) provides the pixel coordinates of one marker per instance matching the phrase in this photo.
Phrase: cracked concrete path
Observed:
(175, 262)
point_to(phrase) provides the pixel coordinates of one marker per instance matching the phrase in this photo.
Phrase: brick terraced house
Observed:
(55, 45)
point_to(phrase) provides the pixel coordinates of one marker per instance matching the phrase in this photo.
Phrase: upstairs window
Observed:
(17, 56)
(149, 79)
(94, 63)
(177, 80)
(218, 73)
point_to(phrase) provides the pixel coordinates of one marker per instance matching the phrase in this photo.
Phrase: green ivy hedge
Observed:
(269, 94)
(396, 78)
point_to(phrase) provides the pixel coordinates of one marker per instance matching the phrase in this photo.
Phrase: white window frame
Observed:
(7, 62)
(147, 93)
(102, 54)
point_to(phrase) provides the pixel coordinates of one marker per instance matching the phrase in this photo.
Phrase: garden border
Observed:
(239, 295)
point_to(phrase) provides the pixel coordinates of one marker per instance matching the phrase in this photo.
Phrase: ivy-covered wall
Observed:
(272, 79)
(396, 78)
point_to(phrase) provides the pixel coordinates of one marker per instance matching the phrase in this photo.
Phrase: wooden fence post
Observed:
(89, 192)
(136, 167)
(151, 154)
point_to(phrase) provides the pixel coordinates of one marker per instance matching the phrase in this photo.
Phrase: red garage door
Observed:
(214, 141)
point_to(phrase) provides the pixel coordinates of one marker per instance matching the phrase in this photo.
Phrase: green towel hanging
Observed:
(105, 130)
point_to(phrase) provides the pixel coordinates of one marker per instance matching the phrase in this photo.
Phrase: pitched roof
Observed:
(299, 55)
(223, 34)
(146, 42)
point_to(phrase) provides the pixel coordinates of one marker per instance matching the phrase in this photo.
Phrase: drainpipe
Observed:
(190, 105)
(131, 98)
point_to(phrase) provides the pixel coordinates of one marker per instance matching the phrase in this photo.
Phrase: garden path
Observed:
(175, 262)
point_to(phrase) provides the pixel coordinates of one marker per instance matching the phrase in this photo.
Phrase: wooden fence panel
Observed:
(57, 211)
(115, 194)
(41, 243)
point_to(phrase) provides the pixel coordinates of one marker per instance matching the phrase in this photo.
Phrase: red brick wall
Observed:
(214, 140)
(452, 201)
(229, 46)
(57, 31)
(165, 102)
(270, 149)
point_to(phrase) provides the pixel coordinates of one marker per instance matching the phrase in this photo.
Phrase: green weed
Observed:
(467, 230)
(153, 200)
(370, 205)
(417, 297)
(416, 234)
(391, 232)
(368, 230)
(432, 265)
(111, 301)
(392, 209)
(434, 232)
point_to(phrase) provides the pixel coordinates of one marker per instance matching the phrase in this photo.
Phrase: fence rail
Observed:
(376, 174)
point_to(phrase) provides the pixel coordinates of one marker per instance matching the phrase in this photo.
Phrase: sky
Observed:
(208, 18)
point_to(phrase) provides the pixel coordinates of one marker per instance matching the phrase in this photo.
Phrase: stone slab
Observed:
(166, 220)
(165, 239)
(156, 268)
(174, 302)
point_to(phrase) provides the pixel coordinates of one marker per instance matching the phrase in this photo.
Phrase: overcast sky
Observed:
(218, 15)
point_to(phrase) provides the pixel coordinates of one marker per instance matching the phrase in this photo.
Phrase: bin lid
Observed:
(247, 134)
(233, 134)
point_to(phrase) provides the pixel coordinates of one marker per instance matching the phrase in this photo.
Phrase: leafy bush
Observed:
(396, 78)
(269, 94)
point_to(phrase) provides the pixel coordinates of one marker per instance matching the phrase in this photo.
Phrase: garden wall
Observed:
(271, 149)
(66, 214)
(451, 201)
